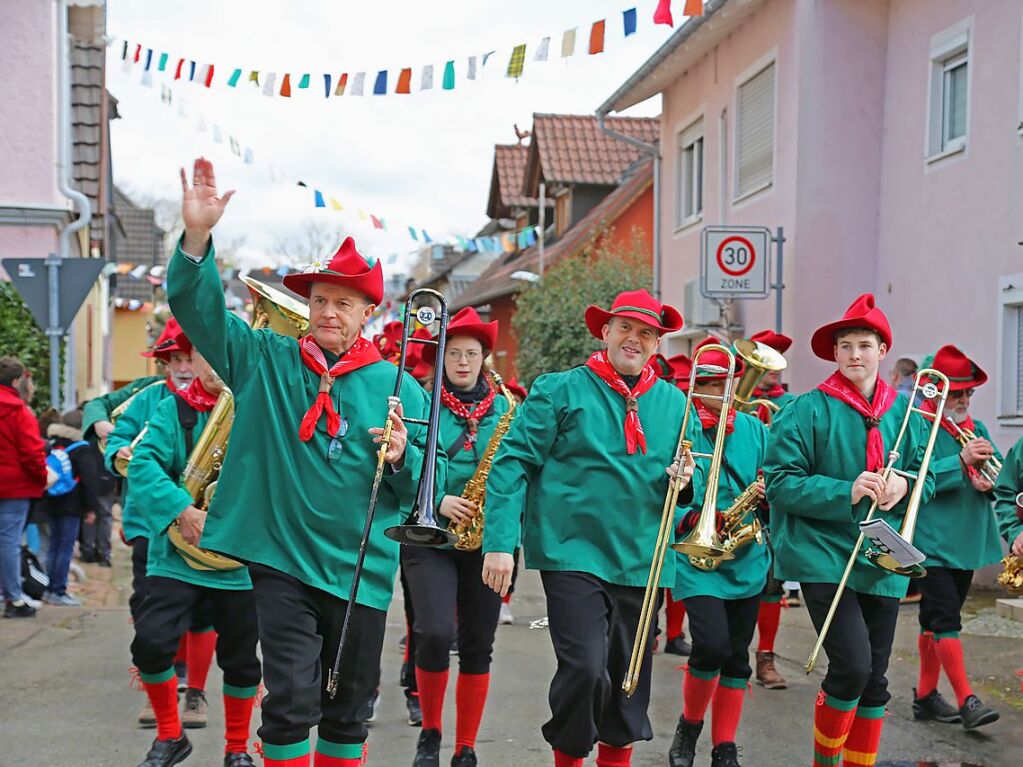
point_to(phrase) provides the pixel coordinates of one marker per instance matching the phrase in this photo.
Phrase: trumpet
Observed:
(988, 469)
(926, 383)
(704, 540)
(759, 360)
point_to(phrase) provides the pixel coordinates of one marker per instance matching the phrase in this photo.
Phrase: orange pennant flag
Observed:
(404, 81)
(693, 8)
(286, 86)
(597, 37)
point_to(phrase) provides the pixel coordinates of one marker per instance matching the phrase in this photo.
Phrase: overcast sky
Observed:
(422, 159)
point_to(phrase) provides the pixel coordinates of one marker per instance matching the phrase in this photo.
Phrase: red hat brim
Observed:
(370, 283)
(823, 340)
(597, 318)
(949, 355)
(777, 341)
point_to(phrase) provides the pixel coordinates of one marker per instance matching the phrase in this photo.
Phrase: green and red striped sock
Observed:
(613, 756)
(289, 755)
(726, 710)
(768, 619)
(564, 760)
(864, 737)
(330, 754)
(238, 705)
(162, 690)
(697, 690)
(949, 649)
(832, 720)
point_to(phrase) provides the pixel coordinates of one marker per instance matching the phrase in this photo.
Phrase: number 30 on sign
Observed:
(734, 262)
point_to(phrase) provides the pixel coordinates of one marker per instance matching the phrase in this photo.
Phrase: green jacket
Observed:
(745, 575)
(281, 502)
(816, 449)
(100, 408)
(128, 427)
(589, 506)
(957, 528)
(155, 472)
(1009, 484)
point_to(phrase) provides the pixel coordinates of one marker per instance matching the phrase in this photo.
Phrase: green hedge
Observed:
(20, 337)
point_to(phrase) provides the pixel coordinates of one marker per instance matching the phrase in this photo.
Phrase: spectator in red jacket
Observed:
(22, 478)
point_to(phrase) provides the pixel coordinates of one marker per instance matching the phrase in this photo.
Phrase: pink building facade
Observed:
(886, 137)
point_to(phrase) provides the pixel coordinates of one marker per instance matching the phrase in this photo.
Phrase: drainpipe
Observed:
(80, 201)
(652, 150)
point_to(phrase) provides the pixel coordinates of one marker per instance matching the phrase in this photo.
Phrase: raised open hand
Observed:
(201, 208)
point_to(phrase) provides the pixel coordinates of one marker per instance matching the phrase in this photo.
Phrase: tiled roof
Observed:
(496, 281)
(142, 244)
(86, 119)
(571, 149)
(506, 180)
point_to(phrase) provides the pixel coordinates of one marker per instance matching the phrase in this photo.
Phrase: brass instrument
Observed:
(276, 310)
(199, 480)
(118, 411)
(759, 359)
(737, 531)
(1011, 577)
(990, 468)
(470, 536)
(121, 464)
(926, 383)
(704, 540)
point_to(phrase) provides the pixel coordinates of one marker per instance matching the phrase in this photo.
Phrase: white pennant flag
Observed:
(471, 73)
(217, 136)
(357, 83)
(268, 85)
(541, 52)
(248, 156)
(427, 83)
(147, 79)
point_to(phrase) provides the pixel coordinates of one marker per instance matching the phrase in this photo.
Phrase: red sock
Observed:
(201, 645)
(864, 737)
(676, 613)
(182, 654)
(298, 761)
(726, 709)
(767, 624)
(432, 685)
(564, 760)
(832, 720)
(612, 756)
(292, 755)
(163, 694)
(950, 651)
(697, 690)
(408, 641)
(506, 599)
(930, 665)
(339, 755)
(470, 698)
(237, 721)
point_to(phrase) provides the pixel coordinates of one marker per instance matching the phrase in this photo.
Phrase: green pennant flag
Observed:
(163, 62)
(233, 81)
(449, 76)
(304, 82)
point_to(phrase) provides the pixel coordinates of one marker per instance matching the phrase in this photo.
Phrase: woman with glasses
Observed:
(446, 585)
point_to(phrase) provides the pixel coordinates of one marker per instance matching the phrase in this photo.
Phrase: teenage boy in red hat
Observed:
(959, 536)
(176, 590)
(823, 469)
(722, 603)
(586, 458)
(292, 499)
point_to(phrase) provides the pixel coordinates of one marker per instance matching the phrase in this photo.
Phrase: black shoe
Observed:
(165, 753)
(105, 562)
(407, 677)
(22, 610)
(975, 714)
(89, 557)
(403, 642)
(678, 646)
(415, 713)
(934, 706)
(725, 755)
(371, 714)
(428, 749)
(238, 759)
(464, 758)
(683, 746)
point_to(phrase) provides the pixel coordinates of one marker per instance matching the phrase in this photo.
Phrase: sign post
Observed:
(735, 263)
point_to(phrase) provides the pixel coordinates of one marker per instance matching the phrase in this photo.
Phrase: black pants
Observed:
(446, 583)
(593, 626)
(201, 614)
(858, 644)
(166, 614)
(299, 628)
(408, 670)
(721, 630)
(942, 593)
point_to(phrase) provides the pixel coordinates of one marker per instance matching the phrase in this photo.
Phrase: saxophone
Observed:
(470, 536)
(736, 531)
(199, 479)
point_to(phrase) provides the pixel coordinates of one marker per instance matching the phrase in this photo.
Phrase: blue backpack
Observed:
(60, 463)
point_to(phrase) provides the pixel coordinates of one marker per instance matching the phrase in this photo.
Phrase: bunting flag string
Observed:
(401, 82)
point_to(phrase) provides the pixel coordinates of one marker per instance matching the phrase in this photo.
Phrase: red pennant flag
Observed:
(177, 71)
(209, 76)
(286, 86)
(138, 52)
(376, 222)
(341, 84)
(663, 13)
(404, 81)
(597, 37)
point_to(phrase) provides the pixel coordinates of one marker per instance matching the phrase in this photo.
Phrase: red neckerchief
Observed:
(634, 436)
(773, 392)
(361, 353)
(931, 406)
(197, 397)
(841, 388)
(461, 409)
(709, 419)
(170, 384)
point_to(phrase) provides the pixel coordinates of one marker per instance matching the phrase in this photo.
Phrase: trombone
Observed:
(924, 384)
(759, 359)
(704, 540)
(421, 529)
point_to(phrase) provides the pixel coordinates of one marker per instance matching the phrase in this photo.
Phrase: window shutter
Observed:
(755, 132)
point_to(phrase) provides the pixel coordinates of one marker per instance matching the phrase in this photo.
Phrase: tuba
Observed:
(759, 359)
(470, 536)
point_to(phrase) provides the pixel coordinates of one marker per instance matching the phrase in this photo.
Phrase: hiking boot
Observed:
(428, 749)
(19, 609)
(464, 758)
(415, 713)
(165, 753)
(683, 746)
(678, 646)
(193, 715)
(147, 717)
(767, 674)
(934, 706)
(976, 714)
(725, 755)
(238, 759)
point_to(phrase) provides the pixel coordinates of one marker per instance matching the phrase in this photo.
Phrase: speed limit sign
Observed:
(733, 261)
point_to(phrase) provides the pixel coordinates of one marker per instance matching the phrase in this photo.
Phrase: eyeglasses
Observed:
(961, 393)
(457, 354)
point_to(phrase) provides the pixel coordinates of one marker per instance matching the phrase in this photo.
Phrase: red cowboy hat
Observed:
(961, 371)
(516, 388)
(172, 339)
(715, 358)
(389, 341)
(780, 343)
(467, 322)
(415, 351)
(636, 305)
(662, 367)
(681, 367)
(346, 267)
(421, 370)
(862, 313)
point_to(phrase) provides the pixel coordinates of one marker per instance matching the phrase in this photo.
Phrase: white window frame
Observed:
(1019, 126)
(1010, 298)
(768, 60)
(949, 49)
(690, 181)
